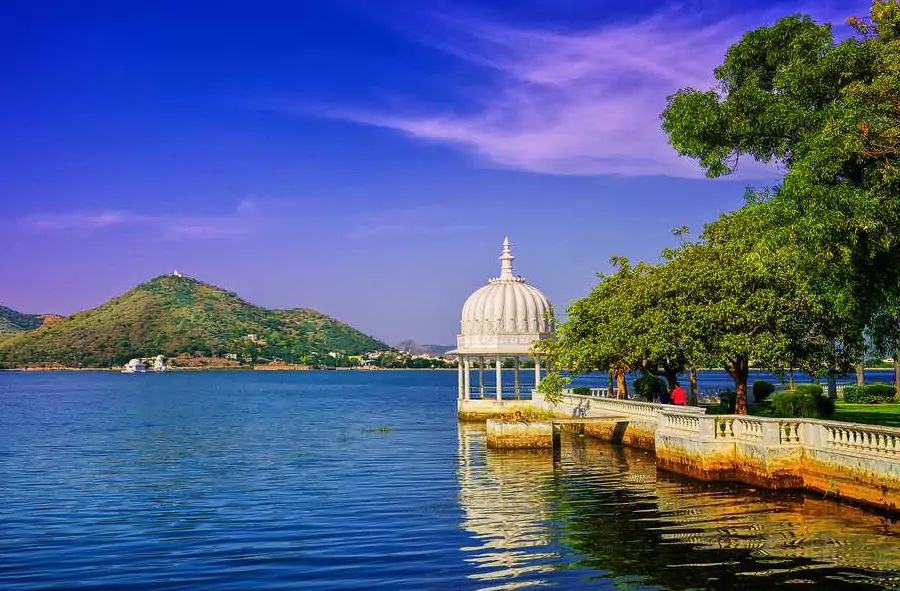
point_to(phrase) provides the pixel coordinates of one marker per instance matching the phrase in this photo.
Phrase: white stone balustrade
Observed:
(860, 462)
(634, 408)
(878, 441)
(684, 423)
(846, 460)
(750, 428)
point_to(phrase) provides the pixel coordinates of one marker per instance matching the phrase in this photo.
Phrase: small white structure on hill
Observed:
(135, 366)
(160, 363)
(500, 320)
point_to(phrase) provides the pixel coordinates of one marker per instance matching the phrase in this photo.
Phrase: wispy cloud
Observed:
(95, 220)
(585, 102)
(411, 222)
(165, 227)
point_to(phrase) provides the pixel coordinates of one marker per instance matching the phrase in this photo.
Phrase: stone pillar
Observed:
(499, 378)
(460, 380)
(537, 371)
(467, 379)
(481, 376)
(516, 377)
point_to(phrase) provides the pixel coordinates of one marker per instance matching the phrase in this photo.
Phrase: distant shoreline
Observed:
(298, 368)
(222, 368)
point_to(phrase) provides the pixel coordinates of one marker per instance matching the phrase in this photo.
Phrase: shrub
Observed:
(762, 390)
(728, 401)
(805, 401)
(814, 390)
(869, 394)
(650, 386)
(581, 390)
(853, 394)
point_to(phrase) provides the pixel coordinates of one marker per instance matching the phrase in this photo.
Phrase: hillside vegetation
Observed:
(12, 321)
(172, 316)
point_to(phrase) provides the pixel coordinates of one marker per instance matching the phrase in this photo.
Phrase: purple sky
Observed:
(364, 159)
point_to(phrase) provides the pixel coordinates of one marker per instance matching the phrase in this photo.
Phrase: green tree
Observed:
(828, 114)
(739, 302)
(724, 299)
(599, 330)
(884, 333)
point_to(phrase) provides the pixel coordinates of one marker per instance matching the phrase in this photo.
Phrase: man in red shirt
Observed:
(679, 396)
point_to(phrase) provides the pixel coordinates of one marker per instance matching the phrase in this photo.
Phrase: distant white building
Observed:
(160, 363)
(135, 366)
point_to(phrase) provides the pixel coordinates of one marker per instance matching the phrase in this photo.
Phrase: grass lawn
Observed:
(886, 414)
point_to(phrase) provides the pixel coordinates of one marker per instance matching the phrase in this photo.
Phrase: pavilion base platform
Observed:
(489, 408)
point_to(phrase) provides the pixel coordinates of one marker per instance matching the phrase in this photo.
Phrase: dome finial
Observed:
(506, 261)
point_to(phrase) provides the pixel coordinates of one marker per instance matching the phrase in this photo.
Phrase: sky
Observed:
(362, 158)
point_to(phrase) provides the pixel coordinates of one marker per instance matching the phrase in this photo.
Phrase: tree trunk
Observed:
(793, 383)
(693, 379)
(621, 384)
(611, 385)
(897, 373)
(671, 376)
(832, 386)
(741, 370)
(861, 374)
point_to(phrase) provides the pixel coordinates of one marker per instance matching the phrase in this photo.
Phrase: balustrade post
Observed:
(771, 434)
(707, 427)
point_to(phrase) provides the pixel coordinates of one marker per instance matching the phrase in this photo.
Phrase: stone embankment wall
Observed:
(847, 461)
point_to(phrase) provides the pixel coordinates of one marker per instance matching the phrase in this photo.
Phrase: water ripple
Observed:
(285, 480)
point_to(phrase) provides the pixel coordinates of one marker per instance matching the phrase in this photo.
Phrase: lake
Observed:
(365, 480)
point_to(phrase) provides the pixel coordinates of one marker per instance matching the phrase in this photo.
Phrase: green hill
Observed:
(173, 315)
(12, 321)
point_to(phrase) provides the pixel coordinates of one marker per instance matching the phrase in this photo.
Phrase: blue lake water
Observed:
(285, 480)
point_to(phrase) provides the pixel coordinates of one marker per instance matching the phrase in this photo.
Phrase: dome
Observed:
(506, 315)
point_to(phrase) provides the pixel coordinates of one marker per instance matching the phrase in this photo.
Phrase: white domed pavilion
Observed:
(500, 320)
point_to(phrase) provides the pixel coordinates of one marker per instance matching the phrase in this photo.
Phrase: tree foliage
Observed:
(789, 280)
(722, 300)
(12, 321)
(828, 115)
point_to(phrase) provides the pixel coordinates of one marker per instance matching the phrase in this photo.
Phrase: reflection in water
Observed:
(504, 509)
(602, 515)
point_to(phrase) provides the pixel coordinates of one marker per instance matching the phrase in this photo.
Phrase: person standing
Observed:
(679, 396)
